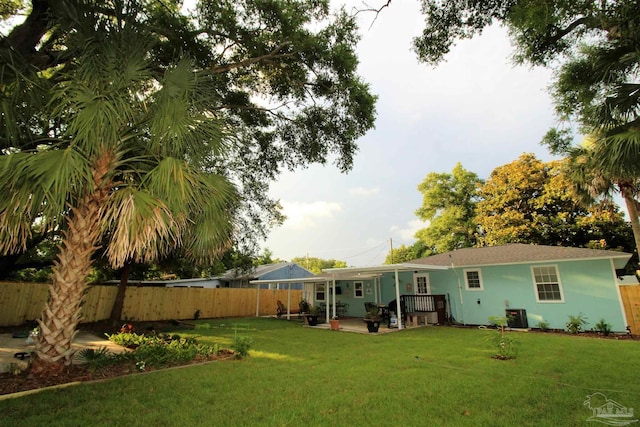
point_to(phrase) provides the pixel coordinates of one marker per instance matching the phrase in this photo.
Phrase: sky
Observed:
(477, 108)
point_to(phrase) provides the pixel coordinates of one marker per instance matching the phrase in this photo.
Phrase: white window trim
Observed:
(415, 283)
(466, 279)
(355, 287)
(535, 285)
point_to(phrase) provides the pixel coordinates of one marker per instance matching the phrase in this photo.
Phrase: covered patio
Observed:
(376, 290)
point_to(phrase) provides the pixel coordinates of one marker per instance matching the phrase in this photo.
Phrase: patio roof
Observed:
(379, 269)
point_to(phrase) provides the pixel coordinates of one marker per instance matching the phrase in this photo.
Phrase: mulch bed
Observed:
(10, 383)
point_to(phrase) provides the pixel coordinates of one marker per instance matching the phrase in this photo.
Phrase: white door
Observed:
(421, 284)
(423, 287)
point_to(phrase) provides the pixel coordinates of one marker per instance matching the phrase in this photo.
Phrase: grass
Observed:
(301, 376)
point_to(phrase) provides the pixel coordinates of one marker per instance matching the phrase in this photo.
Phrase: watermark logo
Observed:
(609, 412)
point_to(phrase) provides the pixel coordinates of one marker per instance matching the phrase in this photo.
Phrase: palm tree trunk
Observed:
(632, 210)
(61, 314)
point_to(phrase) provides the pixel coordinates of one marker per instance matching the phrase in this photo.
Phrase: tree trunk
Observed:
(632, 210)
(61, 314)
(118, 304)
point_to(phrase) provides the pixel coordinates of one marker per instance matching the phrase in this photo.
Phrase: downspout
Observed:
(459, 291)
(398, 305)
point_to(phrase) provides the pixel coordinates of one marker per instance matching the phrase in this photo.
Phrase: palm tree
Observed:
(597, 170)
(128, 156)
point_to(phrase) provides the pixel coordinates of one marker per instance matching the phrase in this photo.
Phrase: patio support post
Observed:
(376, 294)
(333, 305)
(398, 305)
(257, 300)
(327, 307)
(289, 302)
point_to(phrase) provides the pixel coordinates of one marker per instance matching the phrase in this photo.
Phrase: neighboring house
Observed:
(204, 282)
(538, 283)
(283, 270)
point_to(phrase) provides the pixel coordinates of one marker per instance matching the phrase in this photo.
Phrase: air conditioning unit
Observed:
(517, 318)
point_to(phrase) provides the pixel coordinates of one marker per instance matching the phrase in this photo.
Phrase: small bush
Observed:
(163, 350)
(603, 327)
(95, 359)
(576, 323)
(543, 326)
(241, 345)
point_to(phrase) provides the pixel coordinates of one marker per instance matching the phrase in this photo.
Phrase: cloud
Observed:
(406, 233)
(361, 191)
(301, 215)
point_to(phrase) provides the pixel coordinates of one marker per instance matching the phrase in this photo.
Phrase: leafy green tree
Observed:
(118, 168)
(285, 76)
(593, 46)
(407, 253)
(316, 265)
(448, 203)
(117, 121)
(529, 201)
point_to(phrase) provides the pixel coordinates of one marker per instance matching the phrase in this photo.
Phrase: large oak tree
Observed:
(130, 125)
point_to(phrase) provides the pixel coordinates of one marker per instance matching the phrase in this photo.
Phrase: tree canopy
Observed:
(316, 265)
(130, 126)
(530, 201)
(525, 201)
(284, 75)
(448, 203)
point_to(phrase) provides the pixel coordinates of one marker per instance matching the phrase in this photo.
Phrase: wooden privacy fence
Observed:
(631, 300)
(20, 302)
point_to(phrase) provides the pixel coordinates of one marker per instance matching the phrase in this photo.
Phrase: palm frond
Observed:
(619, 154)
(38, 187)
(140, 226)
(182, 122)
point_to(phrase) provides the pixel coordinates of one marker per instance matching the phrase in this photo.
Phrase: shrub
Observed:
(543, 326)
(603, 327)
(157, 350)
(241, 345)
(95, 359)
(576, 323)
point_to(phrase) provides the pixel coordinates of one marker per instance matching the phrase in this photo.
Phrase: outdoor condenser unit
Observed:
(517, 318)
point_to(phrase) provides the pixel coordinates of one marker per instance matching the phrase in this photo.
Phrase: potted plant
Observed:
(311, 315)
(372, 319)
(335, 323)
(308, 312)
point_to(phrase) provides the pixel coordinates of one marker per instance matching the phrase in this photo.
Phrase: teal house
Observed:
(538, 283)
(533, 284)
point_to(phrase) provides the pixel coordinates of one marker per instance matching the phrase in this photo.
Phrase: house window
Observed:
(547, 283)
(421, 283)
(320, 292)
(358, 290)
(473, 280)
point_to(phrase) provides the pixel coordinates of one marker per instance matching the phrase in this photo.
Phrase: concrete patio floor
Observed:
(357, 325)
(9, 346)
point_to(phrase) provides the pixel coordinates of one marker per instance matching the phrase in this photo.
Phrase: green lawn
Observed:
(299, 376)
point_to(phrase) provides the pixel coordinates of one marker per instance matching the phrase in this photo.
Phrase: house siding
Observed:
(589, 287)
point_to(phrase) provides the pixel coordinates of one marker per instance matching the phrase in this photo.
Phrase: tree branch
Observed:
(250, 61)
(373, 9)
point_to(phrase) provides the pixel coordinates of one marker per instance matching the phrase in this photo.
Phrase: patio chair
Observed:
(282, 309)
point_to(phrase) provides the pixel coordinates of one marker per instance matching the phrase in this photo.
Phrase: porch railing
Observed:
(418, 303)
